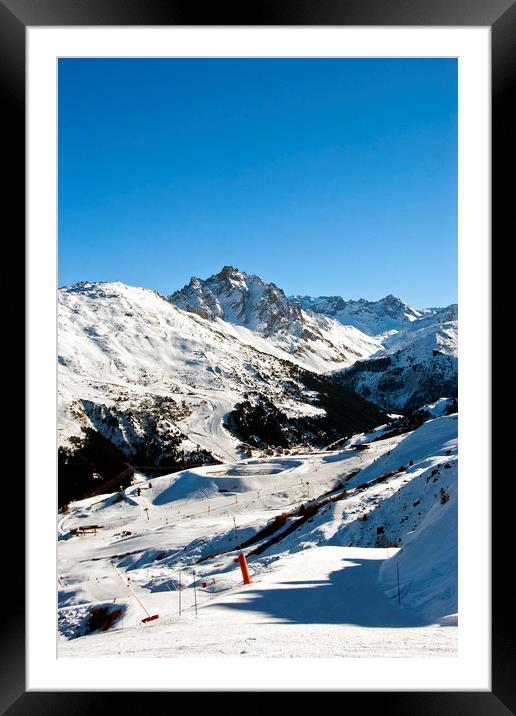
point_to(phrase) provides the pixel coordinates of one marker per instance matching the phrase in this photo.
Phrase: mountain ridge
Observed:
(313, 340)
(372, 317)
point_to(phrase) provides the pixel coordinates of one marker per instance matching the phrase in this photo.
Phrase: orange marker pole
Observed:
(244, 568)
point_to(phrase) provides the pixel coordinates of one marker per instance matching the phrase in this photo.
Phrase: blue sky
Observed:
(326, 176)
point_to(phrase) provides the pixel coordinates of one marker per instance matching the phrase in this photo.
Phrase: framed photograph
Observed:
(250, 242)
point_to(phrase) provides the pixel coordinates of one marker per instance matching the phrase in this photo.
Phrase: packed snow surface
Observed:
(326, 588)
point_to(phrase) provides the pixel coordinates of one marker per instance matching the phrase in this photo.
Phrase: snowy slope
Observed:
(427, 563)
(399, 503)
(324, 589)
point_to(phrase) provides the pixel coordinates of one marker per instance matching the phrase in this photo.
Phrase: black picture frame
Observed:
(500, 15)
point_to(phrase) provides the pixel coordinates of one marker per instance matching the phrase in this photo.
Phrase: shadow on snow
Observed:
(352, 595)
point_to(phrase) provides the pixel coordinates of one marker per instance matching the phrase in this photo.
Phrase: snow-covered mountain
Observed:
(239, 298)
(370, 317)
(315, 341)
(184, 380)
(164, 386)
(418, 365)
(389, 352)
(417, 362)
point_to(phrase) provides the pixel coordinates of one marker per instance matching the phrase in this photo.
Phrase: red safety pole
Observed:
(242, 559)
(244, 568)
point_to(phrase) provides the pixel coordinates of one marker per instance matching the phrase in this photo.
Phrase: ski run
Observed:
(352, 552)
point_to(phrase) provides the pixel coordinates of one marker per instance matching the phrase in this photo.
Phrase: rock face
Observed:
(315, 341)
(240, 298)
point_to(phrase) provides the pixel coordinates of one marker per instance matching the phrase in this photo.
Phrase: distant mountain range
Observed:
(397, 356)
(185, 379)
(371, 317)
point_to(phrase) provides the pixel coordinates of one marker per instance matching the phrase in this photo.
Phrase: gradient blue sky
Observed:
(326, 176)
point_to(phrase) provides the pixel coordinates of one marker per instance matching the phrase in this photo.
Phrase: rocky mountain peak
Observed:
(238, 297)
(230, 272)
